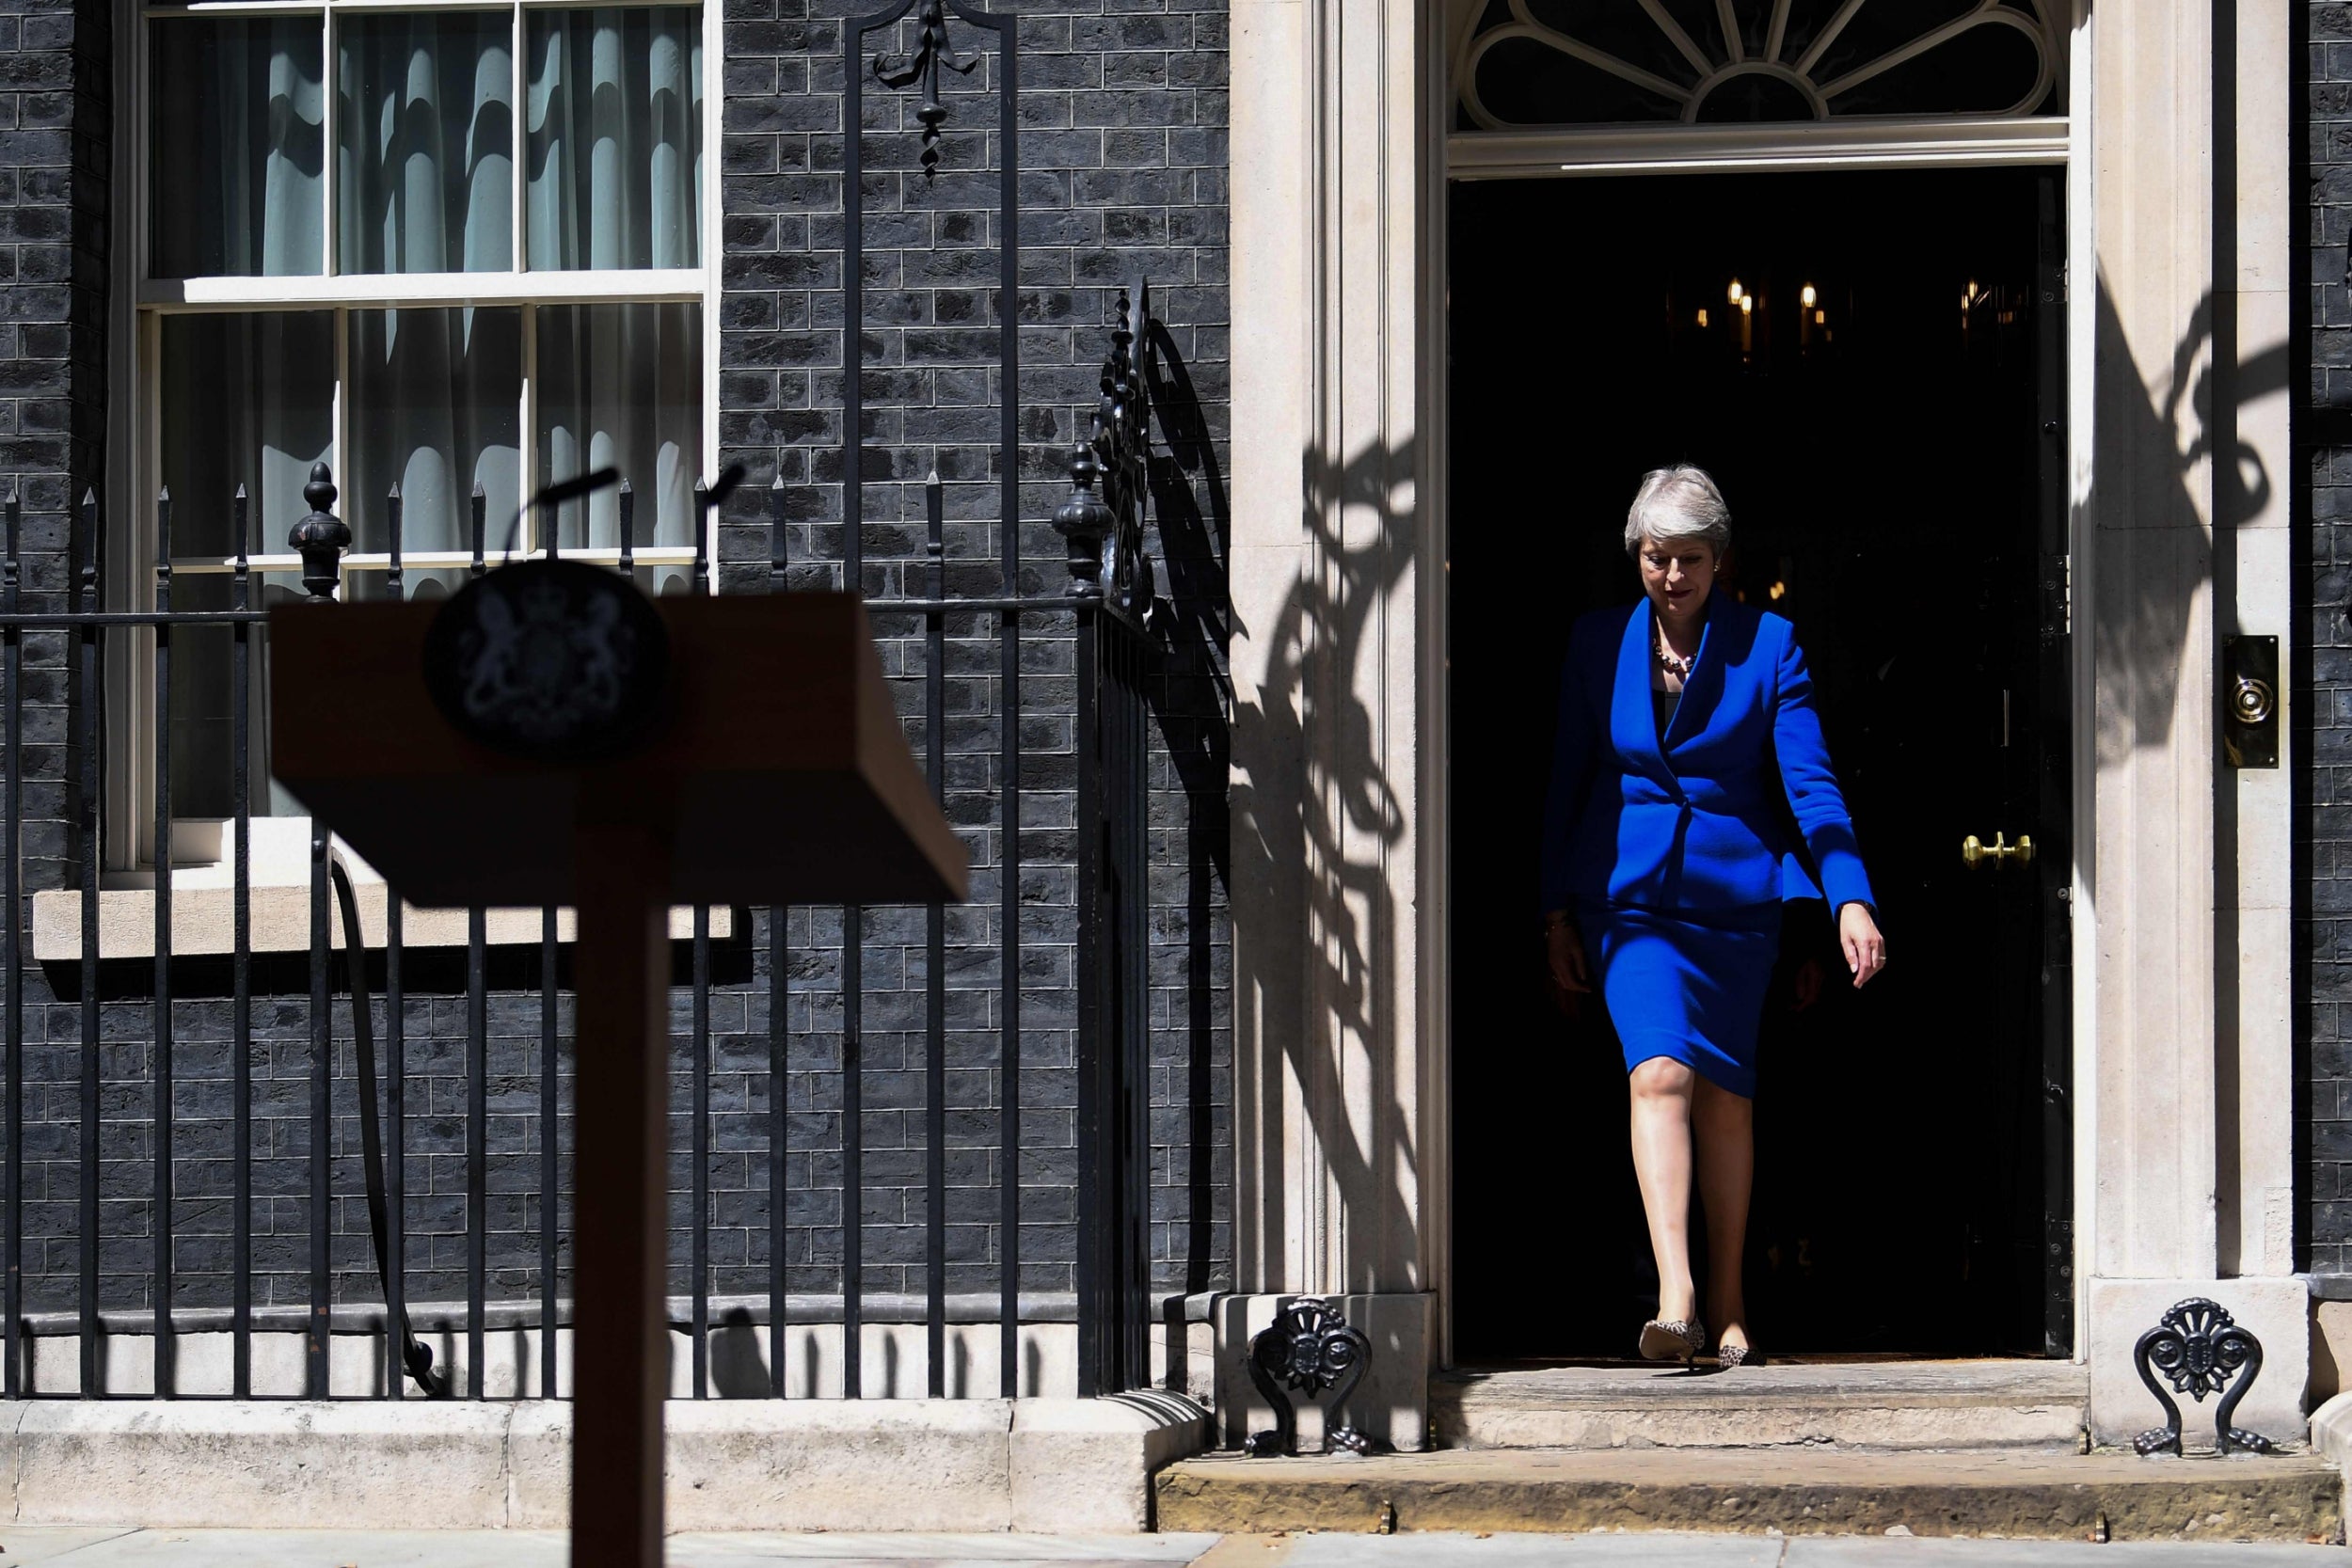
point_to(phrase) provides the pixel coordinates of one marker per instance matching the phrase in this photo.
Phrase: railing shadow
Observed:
(1192, 514)
(1316, 819)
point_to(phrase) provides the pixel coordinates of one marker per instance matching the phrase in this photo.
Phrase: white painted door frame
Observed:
(1811, 147)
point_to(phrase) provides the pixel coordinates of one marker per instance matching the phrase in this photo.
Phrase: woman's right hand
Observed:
(1567, 951)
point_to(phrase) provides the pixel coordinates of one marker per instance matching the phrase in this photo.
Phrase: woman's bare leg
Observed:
(1661, 1090)
(1725, 1125)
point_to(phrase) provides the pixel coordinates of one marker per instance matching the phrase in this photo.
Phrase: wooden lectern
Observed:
(551, 735)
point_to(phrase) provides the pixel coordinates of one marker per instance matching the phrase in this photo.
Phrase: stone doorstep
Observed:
(1936, 1404)
(2012, 1495)
(1047, 1465)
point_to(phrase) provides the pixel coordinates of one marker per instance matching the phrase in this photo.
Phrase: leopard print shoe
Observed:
(1673, 1341)
(1728, 1356)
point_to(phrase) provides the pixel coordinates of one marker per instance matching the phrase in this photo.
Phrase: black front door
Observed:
(1884, 414)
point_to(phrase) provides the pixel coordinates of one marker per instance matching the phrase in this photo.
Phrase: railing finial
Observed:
(1085, 520)
(320, 538)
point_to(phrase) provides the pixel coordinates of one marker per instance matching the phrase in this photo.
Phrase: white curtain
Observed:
(437, 407)
(425, 143)
(615, 108)
(620, 386)
(239, 148)
(247, 400)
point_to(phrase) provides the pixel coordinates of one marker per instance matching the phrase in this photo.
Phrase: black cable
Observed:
(416, 1355)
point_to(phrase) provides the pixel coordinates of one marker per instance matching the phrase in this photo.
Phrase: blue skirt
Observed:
(1687, 985)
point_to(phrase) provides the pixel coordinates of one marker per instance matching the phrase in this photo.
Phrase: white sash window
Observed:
(443, 246)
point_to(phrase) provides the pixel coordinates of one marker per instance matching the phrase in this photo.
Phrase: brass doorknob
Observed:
(1974, 851)
(2251, 701)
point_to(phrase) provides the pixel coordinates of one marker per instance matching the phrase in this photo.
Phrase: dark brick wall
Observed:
(55, 123)
(2321, 706)
(55, 112)
(1123, 153)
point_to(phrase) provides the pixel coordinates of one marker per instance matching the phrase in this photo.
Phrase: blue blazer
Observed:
(1695, 822)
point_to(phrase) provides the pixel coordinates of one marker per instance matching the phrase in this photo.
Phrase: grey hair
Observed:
(1681, 502)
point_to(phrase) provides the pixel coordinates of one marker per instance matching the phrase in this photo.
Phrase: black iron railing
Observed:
(291, 1022)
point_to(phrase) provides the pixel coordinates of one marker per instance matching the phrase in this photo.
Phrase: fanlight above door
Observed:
(1581, 62)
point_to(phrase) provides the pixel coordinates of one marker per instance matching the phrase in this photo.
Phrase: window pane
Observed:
(621, 386)
(239, 148)
(615, 146)
(246, 400)
(437, 407)
(425, 143)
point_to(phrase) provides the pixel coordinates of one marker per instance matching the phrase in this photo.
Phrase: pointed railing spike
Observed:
(702, 549)
(779, 543)
(162, 547)
(240, 578)
(394, 579)
(628, 526)
(480, 502)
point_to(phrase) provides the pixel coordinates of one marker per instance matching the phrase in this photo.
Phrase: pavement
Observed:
(79, 1548)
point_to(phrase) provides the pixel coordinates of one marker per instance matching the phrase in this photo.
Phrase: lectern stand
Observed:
(551, 735)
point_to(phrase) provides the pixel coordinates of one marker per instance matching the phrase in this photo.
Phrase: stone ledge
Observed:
(1086, 1465)
(1054, 1466)
(2331, 1432)
(2019, 1496)
(365, 1465)
(1971, 1404)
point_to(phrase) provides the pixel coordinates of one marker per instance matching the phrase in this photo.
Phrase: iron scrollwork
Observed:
(1110, 477)
(922, 64)
(2200, 1349)
(1309, 1347)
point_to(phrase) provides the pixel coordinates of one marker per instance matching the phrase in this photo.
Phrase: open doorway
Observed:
(1884, 413)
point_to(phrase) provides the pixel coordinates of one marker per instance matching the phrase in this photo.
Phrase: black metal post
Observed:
(779, 1041)
(395, 1059)
(701, 1177)
(935, 955)
(1093, 1266)
(477, 1073)
(161, 1132)
(12, 893)
(241, 966)
(320, 539)
(702, 1039)
(551, 1190)
(318, 1341)
(88, 1242)
(1008, 698)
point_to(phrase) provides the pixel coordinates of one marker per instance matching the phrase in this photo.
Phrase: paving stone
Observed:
(303, 1548)
(710, 1549)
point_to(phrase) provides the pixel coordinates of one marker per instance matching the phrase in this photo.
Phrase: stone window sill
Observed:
(202, 921)
(277, 875)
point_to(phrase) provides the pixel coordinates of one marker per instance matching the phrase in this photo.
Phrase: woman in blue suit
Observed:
(1687, 740)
